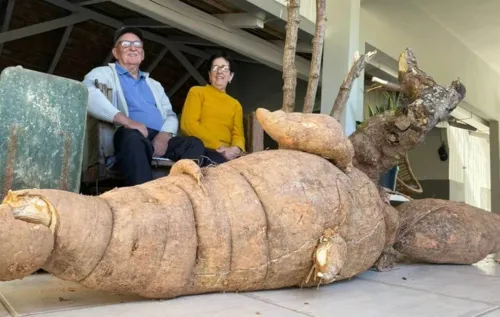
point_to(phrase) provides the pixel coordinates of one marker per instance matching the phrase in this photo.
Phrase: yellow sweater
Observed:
(214, 117)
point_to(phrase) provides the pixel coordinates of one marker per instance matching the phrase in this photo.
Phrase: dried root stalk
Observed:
(357, 67)
(383, 139)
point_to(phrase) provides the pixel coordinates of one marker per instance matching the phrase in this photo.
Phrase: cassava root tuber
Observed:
(258, 222)
(441, 231)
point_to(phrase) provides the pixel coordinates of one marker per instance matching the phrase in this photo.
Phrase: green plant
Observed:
(392, 101)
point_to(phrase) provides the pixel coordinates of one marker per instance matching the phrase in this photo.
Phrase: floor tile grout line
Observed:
(447, 269)
(275, 304)
(427, 291)
(465, 272)
(41, 313)
(245, 295)
(5, 303)
(496, 308)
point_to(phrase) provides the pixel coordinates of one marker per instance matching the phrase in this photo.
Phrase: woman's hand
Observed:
(230, 153)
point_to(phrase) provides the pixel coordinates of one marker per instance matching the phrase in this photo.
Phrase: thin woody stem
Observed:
(357, 67)
(289, 69)
(317, 54)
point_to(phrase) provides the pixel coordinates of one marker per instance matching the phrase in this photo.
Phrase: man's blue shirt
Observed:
(140, 100)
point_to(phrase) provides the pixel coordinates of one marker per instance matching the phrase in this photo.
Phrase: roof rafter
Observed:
(242, 20)
(157, 60)
(117, 24)
(191, 20)
(60, 49)
(42, 27)
(6, 19)
(184, 78)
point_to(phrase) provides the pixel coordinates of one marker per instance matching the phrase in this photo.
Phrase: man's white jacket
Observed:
(101, 108)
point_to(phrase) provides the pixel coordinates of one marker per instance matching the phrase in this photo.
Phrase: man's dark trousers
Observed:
(134, 153)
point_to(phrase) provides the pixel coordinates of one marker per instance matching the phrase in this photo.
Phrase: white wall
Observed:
(469, 168)
(424, 159)
(393, 25)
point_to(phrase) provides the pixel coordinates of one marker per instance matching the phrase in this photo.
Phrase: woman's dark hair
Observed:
(224, 56)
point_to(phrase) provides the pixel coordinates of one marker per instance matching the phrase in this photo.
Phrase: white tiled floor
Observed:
(365, 298)
(495, 313)
(220, 305)
(42, 293)
(408, 290)
(4, 312)
(441, 281)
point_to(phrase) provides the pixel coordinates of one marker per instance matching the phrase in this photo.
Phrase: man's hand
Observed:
(160, 144)
(230, 153)
(120, 118)
(137, 126)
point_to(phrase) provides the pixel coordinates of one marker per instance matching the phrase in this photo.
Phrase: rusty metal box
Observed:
(42, 129)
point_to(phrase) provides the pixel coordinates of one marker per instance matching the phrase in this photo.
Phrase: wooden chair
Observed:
(254, 134)
(407, 182)
(99, 169)
(100, 152)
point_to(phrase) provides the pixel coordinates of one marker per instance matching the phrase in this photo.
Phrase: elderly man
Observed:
(147, 125)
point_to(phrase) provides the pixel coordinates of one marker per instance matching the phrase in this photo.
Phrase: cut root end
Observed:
(328, 258)
(31, 208)
(26, 239)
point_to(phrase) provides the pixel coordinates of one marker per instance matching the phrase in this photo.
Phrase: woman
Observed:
(213, 116)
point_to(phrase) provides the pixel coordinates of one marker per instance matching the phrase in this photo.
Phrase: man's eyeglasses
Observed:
(223, 68)
(127, 44)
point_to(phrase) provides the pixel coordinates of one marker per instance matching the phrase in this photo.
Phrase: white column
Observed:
(341, 42)
(495, 165)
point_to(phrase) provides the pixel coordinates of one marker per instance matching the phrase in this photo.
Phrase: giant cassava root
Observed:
(267, 220)
(253, 223)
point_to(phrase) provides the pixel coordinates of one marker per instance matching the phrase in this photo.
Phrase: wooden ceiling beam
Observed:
(6, 19)
(157, 60)
(194, 21)
(42, 27)
(101, 18)
(184, 78)
(242, 20)
(60, 49)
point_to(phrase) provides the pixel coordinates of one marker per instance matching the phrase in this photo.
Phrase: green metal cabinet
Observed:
(42, 129)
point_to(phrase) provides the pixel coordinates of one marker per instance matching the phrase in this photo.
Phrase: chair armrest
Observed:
(102, 132)
(106, 132)
(161, 162)
(255, 134)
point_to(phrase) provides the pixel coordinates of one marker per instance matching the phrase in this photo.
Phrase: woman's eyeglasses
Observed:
(127, 44)
(223, 68)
